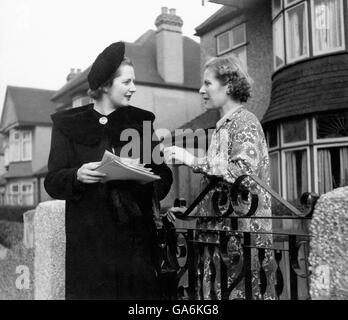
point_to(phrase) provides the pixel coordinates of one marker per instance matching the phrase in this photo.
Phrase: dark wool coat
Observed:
(110, 233)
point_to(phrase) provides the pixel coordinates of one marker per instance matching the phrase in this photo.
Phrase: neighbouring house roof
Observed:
(220, 17)
(19, 170)
(30, 106)
(206, 120)
(42, 172)
(143, 55)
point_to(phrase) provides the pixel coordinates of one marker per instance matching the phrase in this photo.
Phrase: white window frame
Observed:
(274, 13)
(230, 36)
(297, 143)
(284, 176)
(286, 4)
(315, 155)
(275, 67)
(20, 146)
(306, 24)
(279, 171)
(20, 193)
(324, 140)
(316, 53)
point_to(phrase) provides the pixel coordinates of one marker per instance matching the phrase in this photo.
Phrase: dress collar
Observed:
(227, 117)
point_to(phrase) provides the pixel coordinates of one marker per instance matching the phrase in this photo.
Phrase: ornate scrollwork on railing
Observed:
(217, 257)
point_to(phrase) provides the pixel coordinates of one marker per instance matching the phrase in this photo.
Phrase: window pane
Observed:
(274, 171)
(297, 32)
(296, 174)
(15, 188)
(278, 42)
(223, 42)
(272, 137)
(332, 126)
(26, 151)
(294, 131)
(327, 25)
(276, 6)
(15, 150)
(332, 168)
(238, 35)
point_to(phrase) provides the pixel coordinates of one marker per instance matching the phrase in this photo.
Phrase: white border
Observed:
(315, 53)
(306, 24)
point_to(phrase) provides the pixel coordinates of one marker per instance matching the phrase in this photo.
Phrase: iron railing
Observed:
(197, 261)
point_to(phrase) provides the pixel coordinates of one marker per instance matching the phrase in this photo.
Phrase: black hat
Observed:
(106, 64)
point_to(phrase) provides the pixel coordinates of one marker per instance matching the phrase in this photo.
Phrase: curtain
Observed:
(324, 171)
(304, 172)
(327, 31)
(297, 34)
(291, 179)
(343, 167)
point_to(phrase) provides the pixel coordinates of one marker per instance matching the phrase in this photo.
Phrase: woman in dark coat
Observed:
(110, 233)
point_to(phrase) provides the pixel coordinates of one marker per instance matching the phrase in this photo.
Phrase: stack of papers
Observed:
(117, 168)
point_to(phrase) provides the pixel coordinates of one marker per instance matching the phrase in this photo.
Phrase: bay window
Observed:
(292, 30)
(20, 145)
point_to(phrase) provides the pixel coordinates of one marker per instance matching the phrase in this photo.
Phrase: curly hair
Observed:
(97, 93)
(230, 71)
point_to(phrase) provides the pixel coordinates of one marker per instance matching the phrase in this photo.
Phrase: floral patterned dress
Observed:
(238, 147)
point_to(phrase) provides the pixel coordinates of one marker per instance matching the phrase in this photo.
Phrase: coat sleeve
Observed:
(61, 180)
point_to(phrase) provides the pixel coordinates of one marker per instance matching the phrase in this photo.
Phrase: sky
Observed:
(40, 40)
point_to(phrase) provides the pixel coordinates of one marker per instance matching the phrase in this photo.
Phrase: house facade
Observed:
(26, 133)
(296, 52)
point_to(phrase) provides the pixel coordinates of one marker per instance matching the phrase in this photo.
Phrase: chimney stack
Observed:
(169, 43)
(72, 74)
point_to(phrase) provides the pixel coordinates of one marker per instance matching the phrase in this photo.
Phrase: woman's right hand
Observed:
(87, 173)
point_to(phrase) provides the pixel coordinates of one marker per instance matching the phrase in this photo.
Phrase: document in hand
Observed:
(117, 168)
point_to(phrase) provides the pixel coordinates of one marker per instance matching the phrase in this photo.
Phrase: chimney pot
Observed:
(172, 11)
(164, 10)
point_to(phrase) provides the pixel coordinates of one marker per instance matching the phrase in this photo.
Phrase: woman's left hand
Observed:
(179, 155)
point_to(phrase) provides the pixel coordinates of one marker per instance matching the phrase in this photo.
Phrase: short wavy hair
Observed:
(229, 70)
(97, 93)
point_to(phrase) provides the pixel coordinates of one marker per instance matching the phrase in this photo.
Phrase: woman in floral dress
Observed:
(237, 147)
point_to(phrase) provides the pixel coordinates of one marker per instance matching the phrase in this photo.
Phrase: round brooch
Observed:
(103, 120)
